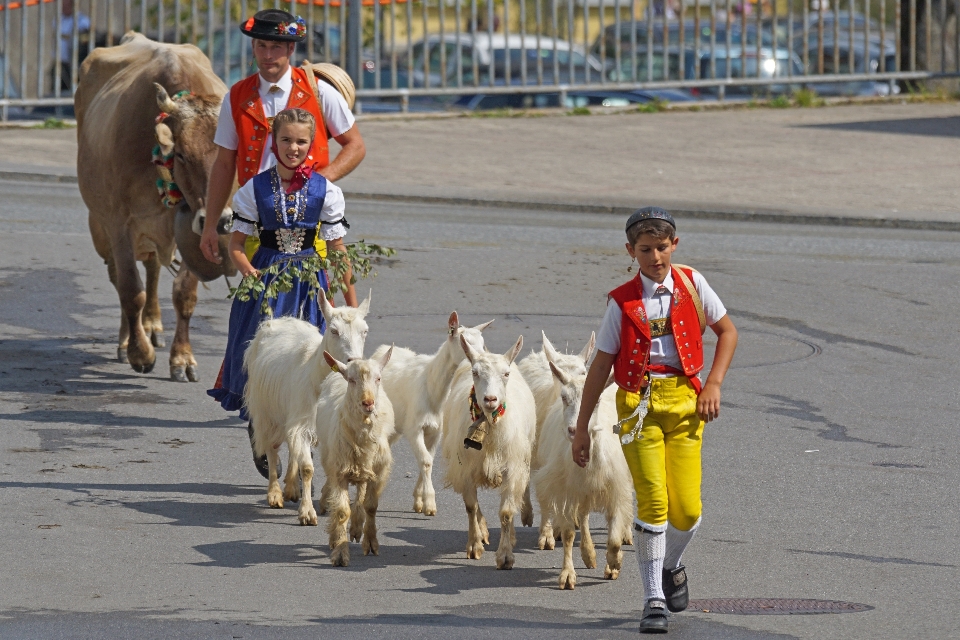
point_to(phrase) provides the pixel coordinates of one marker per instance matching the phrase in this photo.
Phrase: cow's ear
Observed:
(165, 138)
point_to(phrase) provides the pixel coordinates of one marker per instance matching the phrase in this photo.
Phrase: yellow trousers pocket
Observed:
(664, 459)
(252, 243)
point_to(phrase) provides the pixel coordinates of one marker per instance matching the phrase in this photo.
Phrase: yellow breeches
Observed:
(252, 243)
(665, 457)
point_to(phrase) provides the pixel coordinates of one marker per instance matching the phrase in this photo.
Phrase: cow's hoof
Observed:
(157, 340)
(143, 368)
(180, 373)
(122, 355)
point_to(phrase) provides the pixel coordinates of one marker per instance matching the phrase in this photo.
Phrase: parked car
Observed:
(744, 63)
(860, 66)
(605, 47)
(435, 63)
(574, 99)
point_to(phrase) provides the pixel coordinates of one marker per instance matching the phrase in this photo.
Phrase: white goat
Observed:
(545, 387)
(285, 368)
(417, 386)
(546, 391)
(568, 493)
(353, 428)
(504, 460)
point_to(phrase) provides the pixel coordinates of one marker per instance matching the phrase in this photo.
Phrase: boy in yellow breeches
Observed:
(651, 337)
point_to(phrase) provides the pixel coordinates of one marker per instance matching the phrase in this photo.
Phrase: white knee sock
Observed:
(650, 551)
(677, 542)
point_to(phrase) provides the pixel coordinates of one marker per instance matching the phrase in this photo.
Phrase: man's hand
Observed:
(210, 244)
(222, 175)
(581, 447)
(708, 402)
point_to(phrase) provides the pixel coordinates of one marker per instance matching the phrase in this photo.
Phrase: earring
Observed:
(630, 268)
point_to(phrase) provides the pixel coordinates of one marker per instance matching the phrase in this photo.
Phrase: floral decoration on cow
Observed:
(298, 28)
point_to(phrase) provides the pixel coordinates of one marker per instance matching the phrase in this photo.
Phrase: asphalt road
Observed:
(132, 509)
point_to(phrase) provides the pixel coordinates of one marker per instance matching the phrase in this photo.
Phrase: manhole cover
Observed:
(774, 606)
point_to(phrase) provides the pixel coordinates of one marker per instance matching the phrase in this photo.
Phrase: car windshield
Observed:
(434, 61)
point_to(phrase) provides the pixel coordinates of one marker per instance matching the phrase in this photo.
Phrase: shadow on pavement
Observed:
(945, 127)
(478, 620)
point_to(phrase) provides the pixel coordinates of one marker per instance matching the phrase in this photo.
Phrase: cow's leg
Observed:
(152, 325)
(183, 367)
(140, 352)
(124, 337)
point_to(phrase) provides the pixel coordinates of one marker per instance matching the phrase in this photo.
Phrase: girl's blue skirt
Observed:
(245, 317)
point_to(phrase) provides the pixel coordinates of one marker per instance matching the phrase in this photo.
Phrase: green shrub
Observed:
(781, 102)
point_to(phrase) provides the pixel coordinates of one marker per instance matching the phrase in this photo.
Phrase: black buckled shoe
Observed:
(675, 588)
(260, 462)
(654, 619)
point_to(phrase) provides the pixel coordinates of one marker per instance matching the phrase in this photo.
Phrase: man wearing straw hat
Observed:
(243, 132)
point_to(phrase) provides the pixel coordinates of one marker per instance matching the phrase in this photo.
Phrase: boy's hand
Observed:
(581, 447)
(708, 402)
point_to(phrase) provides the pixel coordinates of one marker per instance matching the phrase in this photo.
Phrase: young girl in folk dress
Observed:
(287, 206)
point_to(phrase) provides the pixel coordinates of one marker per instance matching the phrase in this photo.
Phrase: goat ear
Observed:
(385, 358)
(335, 364)
(453, 323)
(512, 353)
(481, 327)
(559, 374)
(588, 348)
(364, 307)
(326, 308)
(467, 349)
(548, 349)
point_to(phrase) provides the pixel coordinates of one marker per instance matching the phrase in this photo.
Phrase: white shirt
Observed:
(336, 115)
(663, 350)
(245, 205)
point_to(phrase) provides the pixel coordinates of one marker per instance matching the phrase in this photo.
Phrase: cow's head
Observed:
(185, 129)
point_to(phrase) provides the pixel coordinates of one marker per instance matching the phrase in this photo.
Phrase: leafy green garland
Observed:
(279, 277)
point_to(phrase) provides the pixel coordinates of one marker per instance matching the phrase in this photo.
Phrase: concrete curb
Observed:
(24, 176)
(744, 215)
(735, 215)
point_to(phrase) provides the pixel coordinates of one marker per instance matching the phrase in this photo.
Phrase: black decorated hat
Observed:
(276, 25)
(650, 213)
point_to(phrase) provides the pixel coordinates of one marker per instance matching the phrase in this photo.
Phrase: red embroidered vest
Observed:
(253, 128)
(632, 362)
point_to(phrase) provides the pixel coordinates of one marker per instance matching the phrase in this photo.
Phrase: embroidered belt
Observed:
(661, 327)
(288, 240)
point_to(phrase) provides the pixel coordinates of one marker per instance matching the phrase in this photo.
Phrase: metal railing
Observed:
(399, 49)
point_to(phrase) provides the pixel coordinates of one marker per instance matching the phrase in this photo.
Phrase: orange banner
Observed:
(316, 3)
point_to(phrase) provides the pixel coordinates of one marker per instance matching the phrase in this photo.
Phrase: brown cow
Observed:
(122, 91)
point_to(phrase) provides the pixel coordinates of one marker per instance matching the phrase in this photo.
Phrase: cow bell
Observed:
(475, 434)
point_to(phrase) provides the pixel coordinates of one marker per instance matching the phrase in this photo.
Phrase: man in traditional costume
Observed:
(243, 132)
